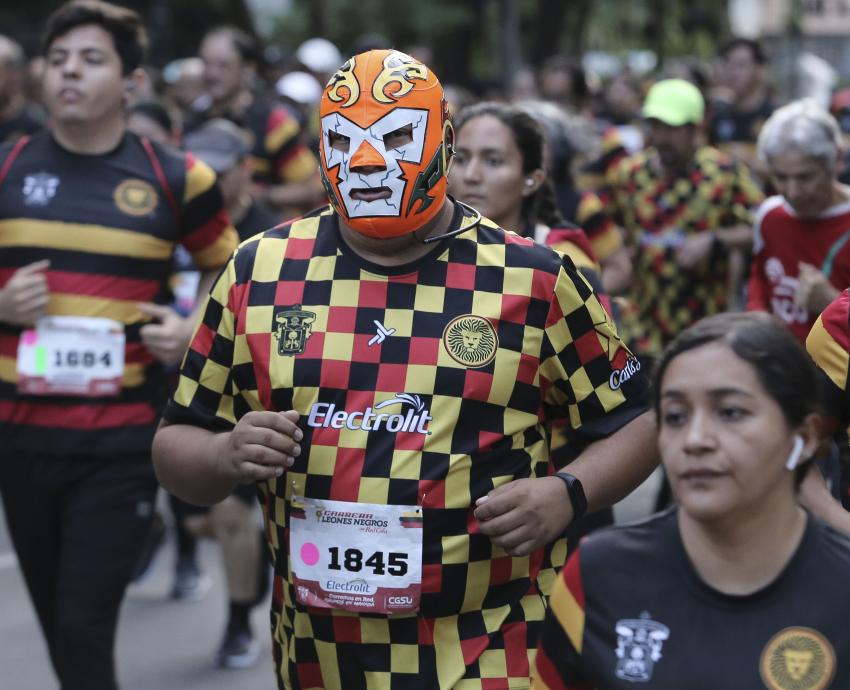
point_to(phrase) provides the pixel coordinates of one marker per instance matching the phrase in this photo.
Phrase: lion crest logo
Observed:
(471, 341)
(798, 659)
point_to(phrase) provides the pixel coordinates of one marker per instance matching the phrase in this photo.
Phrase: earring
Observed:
(796, 452)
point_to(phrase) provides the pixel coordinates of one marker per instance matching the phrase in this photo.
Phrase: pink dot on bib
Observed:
(309, 553)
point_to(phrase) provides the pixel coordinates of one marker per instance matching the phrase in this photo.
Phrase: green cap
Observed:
(675, 102)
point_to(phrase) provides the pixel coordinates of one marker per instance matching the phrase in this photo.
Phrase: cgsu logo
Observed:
(399, 601)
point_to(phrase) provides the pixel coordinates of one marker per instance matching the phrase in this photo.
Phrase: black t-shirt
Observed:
(727, 124)
(630, 611)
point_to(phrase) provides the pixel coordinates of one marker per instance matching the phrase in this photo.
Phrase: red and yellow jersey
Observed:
(107, 226)
(828, 343)
(594, 175)
(280, 154)
(278, 151)
(427, 384)
(657, 214)
(572, 241)
(585, 209)
(781, 242)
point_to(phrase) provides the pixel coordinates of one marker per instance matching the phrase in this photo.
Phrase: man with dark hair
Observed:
(17, 118)
(285, 171)
(89, 218)
(687, 213)
(743, 102)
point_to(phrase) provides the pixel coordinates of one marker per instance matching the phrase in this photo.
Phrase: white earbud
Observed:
(796, 452)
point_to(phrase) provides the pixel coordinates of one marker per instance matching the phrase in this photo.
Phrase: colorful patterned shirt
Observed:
(485, 339)
(657, 214)
(585, 209)
(278, 151)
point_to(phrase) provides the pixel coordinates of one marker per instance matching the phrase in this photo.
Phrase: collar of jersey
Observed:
(463, 218)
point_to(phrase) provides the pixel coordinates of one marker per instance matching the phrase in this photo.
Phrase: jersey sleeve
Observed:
(574, 243)
(204, 395)
(284, 146)
(207, 232)
(589, 378)
(828, 344)
(605, 237)
(557, 665)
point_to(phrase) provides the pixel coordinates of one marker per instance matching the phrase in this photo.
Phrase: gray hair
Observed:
(802, 126)
(11, 53)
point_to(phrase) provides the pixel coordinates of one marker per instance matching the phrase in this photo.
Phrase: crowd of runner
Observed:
(399, 346)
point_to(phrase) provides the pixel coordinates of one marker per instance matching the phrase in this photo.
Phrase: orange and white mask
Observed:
(385, 143)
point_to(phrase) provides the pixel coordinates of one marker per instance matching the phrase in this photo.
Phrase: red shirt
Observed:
(782, 241)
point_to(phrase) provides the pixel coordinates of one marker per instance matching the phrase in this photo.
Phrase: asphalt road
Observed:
(162, 644)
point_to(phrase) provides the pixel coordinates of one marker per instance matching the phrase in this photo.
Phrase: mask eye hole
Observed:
(398, 137)
(339, 142)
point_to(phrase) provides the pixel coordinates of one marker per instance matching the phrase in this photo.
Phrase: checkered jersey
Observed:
(471, 404)
(657, 215)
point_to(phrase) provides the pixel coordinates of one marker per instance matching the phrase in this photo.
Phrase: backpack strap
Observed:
(13, 154)
(160, 175)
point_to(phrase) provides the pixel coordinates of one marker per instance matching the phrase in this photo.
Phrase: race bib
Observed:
(358, 557)
(71, 355)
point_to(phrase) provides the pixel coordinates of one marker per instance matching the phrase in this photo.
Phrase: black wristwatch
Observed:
(576, 493)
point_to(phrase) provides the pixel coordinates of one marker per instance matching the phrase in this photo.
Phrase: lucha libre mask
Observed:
(385, 130)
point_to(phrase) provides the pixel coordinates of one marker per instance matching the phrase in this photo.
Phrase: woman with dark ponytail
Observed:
(499, 169)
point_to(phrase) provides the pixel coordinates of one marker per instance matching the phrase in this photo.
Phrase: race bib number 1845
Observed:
(356, 556)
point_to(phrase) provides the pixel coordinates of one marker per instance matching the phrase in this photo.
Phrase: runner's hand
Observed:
(814, 291)
(261, 446)
(694, 250)
(24, 297)
(526, 514)
(168, 339)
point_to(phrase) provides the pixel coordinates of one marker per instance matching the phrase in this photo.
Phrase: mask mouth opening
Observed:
(370, 193)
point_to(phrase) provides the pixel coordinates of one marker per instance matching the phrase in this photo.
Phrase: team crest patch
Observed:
(639, 642)
(797, 659)
(292, 326)
(135, 197)
(39, 189)
(471, 341)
